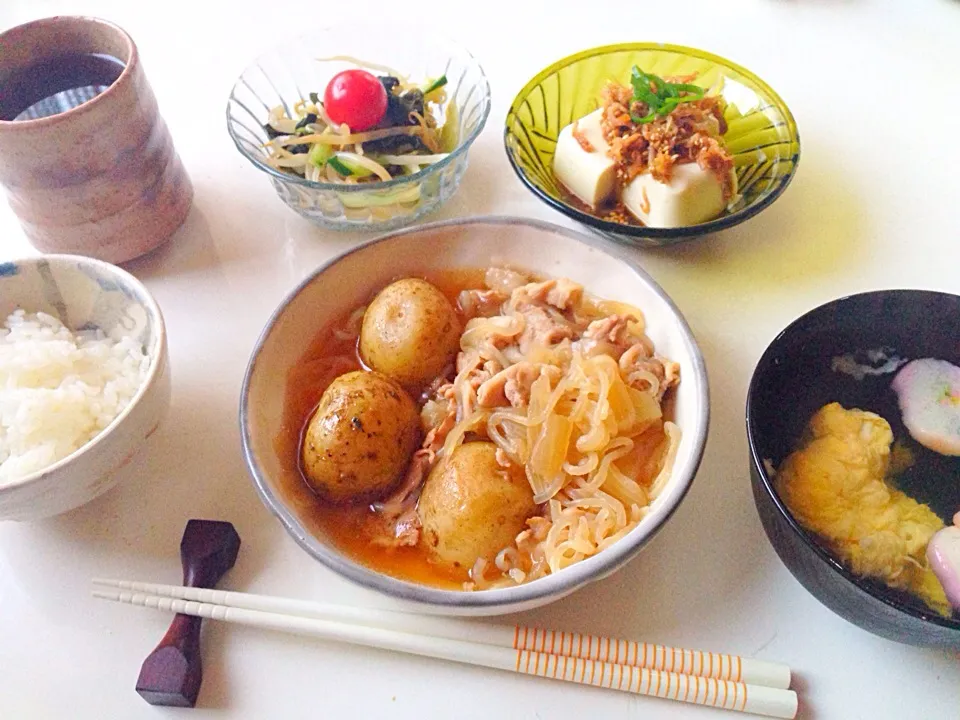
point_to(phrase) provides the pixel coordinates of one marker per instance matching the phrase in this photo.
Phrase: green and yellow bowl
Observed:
(761, 132)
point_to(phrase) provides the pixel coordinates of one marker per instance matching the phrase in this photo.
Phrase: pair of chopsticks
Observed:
(721, 681)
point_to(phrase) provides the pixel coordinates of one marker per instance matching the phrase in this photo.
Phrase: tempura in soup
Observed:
(545, 439)
(837, 485)
(846, 481)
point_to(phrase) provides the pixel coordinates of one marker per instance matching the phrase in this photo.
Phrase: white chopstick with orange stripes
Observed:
(653, 657)
(721, 680)
(519, 637)
(723, 694)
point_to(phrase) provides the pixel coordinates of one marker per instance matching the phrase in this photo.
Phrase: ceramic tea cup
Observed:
(86, 160)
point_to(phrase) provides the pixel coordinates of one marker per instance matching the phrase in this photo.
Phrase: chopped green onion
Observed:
(429, 87)
(692, 89)
(660, 97)
(645, 119)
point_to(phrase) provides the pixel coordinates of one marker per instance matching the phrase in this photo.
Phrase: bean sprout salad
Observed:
(365, 128)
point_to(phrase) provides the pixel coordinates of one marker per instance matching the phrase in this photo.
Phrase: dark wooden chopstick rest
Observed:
(172, 673)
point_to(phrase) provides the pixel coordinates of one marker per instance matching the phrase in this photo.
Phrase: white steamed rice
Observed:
(59, 389)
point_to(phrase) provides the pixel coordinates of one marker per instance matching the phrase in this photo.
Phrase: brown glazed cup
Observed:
(101, 179)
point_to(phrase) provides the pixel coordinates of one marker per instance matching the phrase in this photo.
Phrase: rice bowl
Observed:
(83, 365)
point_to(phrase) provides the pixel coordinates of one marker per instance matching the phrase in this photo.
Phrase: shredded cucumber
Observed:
(346, 167)
(319, 154)
(371, 199)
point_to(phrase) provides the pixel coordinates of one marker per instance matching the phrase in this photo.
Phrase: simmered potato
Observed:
(360, 438)
(410, 332)
(471, 507)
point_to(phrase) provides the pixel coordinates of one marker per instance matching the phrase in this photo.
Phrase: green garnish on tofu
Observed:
(660, 96)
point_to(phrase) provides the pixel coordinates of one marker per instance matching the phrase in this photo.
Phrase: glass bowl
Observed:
(762, 135)
(289, 72)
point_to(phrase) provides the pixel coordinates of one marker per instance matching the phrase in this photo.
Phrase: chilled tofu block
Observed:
(692, 196)
(591, 176)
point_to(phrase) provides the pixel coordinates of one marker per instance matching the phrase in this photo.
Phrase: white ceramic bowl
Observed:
(347, 282)
(83, 292)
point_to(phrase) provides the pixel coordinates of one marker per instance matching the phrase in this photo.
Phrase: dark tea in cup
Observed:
(86, 160)
(57, 84)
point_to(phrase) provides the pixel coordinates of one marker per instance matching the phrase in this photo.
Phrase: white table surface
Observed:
(873, 205)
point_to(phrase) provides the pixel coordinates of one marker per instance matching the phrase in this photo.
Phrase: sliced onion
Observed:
(504, 280)
(545, 491)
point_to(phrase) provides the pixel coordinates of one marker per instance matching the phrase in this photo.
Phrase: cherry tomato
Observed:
(357, 98)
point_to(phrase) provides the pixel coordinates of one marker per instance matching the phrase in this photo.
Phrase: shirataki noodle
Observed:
(569, 388)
